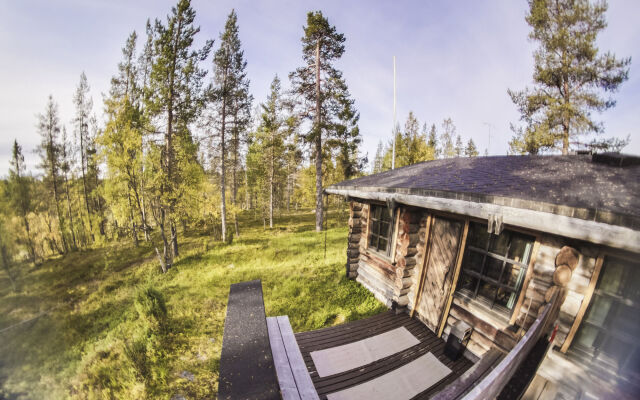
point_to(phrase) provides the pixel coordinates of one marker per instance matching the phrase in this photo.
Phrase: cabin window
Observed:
(610, 328)
(494, 267)
(380, 229)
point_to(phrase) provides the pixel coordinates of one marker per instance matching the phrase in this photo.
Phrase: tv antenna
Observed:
(393, 130)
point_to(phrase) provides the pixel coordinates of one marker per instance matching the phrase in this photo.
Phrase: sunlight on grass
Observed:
(103, 338)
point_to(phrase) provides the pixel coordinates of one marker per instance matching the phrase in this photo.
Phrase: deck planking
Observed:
(358, 330)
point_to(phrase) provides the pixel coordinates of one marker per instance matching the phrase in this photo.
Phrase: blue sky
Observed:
(454, 59)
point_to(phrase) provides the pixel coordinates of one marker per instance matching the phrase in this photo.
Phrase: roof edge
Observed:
(540, 219)
(587, 214)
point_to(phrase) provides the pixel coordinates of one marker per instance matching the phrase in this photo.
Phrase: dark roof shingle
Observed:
(573, 181)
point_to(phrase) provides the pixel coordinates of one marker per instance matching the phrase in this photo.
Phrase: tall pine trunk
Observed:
(223, 205)
(236, 150)
(271, 173)
(318, 145)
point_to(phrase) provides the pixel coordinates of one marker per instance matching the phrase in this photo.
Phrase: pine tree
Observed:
(233, 102)
(317, 85)
(570, 76)
(471, 150)
(49, 150)
(175, 100)
(20, 194)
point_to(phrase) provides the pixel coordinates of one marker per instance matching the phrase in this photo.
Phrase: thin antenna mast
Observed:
(489, 124)
(393, 130)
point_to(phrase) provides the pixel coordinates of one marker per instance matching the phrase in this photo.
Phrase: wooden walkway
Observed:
(358, 330)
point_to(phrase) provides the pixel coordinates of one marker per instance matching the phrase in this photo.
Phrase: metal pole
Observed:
(393, 130)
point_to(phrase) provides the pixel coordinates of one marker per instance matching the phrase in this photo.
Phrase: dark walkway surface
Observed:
(358, 330)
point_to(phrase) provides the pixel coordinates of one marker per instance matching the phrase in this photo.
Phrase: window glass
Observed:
(609, 331)
(494, 266)
(500, 243)
(380, 229)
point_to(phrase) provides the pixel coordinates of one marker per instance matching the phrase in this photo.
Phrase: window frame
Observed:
(391, 228)
(482, 275)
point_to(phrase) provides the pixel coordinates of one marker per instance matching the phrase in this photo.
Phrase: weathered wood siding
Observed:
(439, 268)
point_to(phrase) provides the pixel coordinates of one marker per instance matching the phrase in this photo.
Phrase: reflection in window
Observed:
(611, 326)
(494, 266)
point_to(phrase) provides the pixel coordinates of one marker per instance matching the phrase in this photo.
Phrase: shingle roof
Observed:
(533, 182)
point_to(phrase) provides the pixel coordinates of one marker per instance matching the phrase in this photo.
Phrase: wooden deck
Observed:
(358, 330)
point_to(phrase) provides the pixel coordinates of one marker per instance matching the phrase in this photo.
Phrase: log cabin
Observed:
(491, 240)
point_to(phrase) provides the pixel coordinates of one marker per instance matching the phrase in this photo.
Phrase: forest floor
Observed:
(87, 335)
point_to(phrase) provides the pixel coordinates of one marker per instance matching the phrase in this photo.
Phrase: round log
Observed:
(568, 256)
(562, 276)
(549, 294)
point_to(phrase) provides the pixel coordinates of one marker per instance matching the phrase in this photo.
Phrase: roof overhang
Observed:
(614, 236)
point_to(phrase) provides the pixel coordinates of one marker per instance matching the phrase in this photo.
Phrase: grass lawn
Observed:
(102, 333)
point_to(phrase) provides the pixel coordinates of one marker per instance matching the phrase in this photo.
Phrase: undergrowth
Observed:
(108, 324)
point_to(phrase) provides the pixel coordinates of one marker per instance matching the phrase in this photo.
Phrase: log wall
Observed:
(356, 211)
(399, 282)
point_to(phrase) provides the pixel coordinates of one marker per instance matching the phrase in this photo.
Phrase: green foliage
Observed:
(127, 332)
(411, 145)
(471, 150)
(570, 76)
(152, 310)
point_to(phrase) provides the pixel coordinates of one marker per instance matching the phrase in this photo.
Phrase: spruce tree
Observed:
(49, 150)
(316, 85)
(471, 150)
(66, 165)
(570, 76)
(459, 146)
(20, 193)
(84, 104)
(233, 103)
(378, 160)
(347, 136)
(433, 141)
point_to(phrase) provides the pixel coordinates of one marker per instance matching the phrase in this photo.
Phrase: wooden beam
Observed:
(615, 236)
(585, 303)
(421, 273)
(395, 235)
(366, 232)
(456, 274)
(525, 284)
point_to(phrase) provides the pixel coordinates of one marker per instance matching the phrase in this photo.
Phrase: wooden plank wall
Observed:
(440, 267)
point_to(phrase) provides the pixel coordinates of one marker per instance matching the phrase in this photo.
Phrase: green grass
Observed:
(106, 335)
